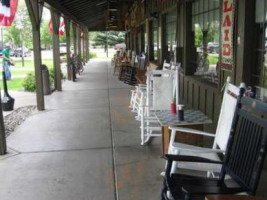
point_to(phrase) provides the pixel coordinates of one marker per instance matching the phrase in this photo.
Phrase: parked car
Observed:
(18, 52)
(213, 48)
(63, 48)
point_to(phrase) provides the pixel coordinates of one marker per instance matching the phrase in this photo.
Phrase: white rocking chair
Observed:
(229, 103)
(159, 96)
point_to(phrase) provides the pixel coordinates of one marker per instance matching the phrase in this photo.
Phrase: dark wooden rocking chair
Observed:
(243, 160)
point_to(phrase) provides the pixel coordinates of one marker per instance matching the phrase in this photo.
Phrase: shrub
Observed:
(51, 76)
(29, 83)
(92, 55)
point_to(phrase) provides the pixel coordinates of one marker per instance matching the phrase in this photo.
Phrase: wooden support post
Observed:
(35, 9)
(67, 28)
(83, 43)
(79, 41)
(188, 38)
(2, 132)
(74, 29)
(55, 16)
(87, 45)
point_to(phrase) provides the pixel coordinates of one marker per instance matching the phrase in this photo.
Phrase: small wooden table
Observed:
(232, 197)
(194, 119)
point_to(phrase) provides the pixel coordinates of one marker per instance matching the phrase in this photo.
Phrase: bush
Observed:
(92, 55)
(29, 83)
(51, 76)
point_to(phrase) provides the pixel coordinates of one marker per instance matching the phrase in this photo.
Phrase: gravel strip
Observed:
(17, 117)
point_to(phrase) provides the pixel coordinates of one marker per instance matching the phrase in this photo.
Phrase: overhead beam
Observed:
(51, 4)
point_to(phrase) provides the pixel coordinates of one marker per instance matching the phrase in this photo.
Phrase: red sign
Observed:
(227, 53)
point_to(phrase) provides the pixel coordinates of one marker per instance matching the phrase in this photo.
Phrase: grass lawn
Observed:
(16, 82)
(213, 59)
(30, 64)
(13, 84)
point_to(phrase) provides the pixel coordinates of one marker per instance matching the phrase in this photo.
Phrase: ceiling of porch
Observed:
(97, 15)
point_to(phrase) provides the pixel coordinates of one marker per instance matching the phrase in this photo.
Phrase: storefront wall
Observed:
(237, 59)
(198, 92)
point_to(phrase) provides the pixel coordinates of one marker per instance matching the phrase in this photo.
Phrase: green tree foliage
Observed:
(100, 38)
(213, 34)
(198, 36)
(46, 37)
(21, 30)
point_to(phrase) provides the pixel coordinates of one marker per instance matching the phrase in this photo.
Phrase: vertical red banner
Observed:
(227, 48)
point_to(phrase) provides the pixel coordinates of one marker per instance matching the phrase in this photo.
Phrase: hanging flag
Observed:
(61, 28)
(50, 27)
(8, 10)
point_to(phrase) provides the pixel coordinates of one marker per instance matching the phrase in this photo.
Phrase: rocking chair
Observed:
(243, 160)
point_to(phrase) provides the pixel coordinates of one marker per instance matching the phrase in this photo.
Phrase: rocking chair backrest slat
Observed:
(133, 60)
(245, 157)
(160, 84)
(142, 64)
(226, 116)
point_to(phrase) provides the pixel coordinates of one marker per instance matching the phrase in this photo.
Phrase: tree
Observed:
(100, 38)
(20, 33)
(46, 37)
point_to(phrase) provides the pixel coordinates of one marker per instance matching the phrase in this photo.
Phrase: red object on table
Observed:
(173, 108)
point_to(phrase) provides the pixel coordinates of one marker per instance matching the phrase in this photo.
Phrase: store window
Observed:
(155, 39)
(171, 38)
(259, 70)
(206, 26)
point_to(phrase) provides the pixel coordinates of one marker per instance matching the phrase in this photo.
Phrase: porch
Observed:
(86, 145)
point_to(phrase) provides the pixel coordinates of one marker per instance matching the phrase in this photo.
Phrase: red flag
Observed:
(8, 10)
(62, 28)
(50, 27)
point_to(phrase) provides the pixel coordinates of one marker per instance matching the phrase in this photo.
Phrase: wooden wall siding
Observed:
(197, 95)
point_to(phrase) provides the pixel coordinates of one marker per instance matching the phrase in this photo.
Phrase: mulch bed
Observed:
(16, 118)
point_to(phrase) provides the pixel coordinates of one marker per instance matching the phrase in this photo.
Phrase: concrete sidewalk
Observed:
(85, 146)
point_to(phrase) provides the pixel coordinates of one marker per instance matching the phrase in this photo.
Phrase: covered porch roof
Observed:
(94, 14)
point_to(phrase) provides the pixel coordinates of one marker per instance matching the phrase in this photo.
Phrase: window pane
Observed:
(259, 11)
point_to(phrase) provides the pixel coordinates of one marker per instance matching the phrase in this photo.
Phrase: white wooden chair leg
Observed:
(174, 164)
(142, 127)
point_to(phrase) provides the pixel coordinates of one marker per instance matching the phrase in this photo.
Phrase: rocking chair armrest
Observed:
(202, 150)
(192, 131)
(210, 190)
(141, 85)
(180, 158)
